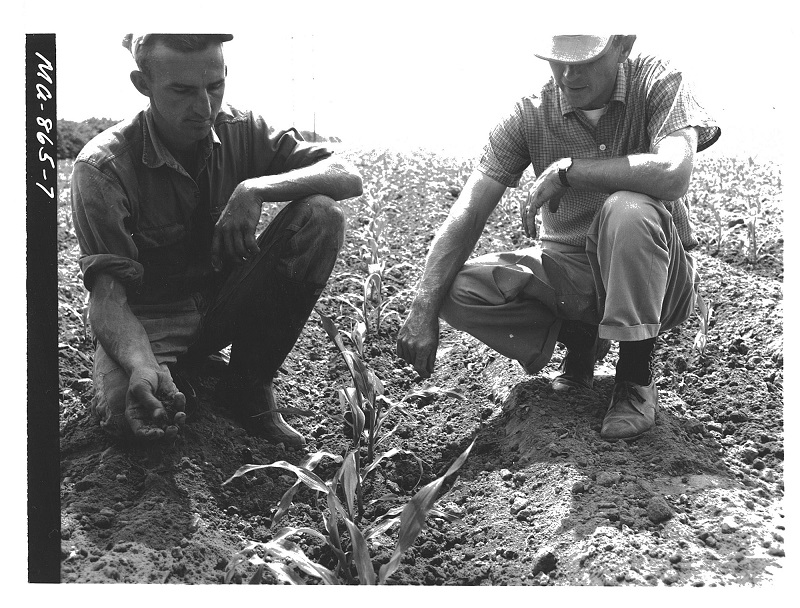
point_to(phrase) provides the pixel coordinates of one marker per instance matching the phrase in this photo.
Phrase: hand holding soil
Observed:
(154, 414)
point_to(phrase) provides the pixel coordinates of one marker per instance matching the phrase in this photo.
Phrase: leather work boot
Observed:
(632, 411)
(577, 367)
(255, 406)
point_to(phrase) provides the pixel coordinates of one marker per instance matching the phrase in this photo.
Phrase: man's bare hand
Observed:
(418, 341)
(148, 393)
(546, 189)
(235, 232)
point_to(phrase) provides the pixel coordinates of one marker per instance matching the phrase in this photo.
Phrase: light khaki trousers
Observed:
(633, 279)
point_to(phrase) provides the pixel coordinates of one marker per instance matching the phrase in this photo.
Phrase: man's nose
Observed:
(202, 104)
(570, 71)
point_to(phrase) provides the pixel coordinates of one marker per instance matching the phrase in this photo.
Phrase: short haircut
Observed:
(186, 43)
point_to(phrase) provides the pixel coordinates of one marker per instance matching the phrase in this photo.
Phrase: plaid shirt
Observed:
(650, 101)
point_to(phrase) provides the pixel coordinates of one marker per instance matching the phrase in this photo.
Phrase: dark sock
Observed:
(577, 336)
(636, 361)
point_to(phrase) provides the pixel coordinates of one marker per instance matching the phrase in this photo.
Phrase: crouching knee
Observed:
(625, 208)
(326, 218)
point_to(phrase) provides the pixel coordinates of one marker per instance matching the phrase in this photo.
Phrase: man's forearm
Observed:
(455, 240)
(117, 328)
(333, 177)
(639, 173)
(663, 174)
(451, 247)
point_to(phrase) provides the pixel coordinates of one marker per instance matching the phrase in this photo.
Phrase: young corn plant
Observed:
(368, 406)
(704, 313)
(348, 542)
(753, 215)
(373, 304)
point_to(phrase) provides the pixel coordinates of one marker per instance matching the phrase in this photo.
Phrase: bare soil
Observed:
(542, 499)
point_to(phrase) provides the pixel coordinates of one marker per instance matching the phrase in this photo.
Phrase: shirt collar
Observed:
(617, 95)
(155, 153)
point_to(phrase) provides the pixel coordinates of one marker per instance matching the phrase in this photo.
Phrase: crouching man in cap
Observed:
(165, 207)
(612, 141)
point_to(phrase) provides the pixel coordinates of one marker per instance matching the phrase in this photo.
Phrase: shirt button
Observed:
(602, 146)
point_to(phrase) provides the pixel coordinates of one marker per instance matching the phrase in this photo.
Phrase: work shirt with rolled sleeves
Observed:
(141, 218)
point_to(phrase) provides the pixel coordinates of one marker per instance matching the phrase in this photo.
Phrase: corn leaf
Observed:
(288, 550)
(366, 573)
(256, 560)
(380, 526)
(285, 574)
(330, 328)
(283, 533)
(306, 476)
(285, 504)
(258, 576)
(312, 460)
(360, 376)
(386, 436)
(350, 482)
(328, 325)
(235, 561)
(705, 311)
(357, 310)
(331, 525)
(385, 498)
(357, 335)
(374, 464)
(379, 223)
(349, 400)
(376, 383)
(244, 469)
(446, 515)
(412, 518)
(373, 283)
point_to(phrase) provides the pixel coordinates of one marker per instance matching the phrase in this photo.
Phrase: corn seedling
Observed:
(365, 401)
(705, 311)
(348, 542)
(753, 215)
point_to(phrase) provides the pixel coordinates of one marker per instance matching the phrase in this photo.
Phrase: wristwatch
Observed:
(563, 166)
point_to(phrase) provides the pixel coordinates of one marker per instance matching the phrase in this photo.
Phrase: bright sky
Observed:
(435, 74)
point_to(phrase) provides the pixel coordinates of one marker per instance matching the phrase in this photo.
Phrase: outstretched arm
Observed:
(125, 340)
(234, 234)
(664, 173)
(418, 339)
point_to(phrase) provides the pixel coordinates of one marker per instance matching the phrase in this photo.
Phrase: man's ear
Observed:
(140, 82)
(626, 44)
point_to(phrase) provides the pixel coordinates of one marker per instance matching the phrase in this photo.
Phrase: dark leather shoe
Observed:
(632, 411)
(577, 367)
(255, 406)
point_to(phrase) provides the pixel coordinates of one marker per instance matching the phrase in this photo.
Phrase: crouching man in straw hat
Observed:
(612, 141)
(166, 206)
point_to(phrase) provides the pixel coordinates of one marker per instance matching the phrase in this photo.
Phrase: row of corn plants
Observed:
(345, 531)
(727, 181)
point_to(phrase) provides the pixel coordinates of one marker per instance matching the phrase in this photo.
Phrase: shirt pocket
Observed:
(162, 251)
